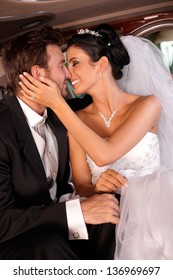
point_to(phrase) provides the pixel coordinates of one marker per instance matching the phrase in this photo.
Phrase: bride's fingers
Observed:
(32, 85)
(29, 94)
(47, 81)
(27, 86)
(41, 82)
(115, 176)
(26, 91)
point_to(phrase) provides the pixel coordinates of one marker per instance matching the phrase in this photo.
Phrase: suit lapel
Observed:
(27, 144)
(25, 139)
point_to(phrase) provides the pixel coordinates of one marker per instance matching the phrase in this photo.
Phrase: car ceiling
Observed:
(17, 16)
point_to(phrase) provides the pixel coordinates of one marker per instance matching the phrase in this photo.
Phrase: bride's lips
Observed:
(75, 82)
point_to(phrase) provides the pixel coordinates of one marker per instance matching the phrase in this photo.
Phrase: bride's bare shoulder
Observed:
(135, 100)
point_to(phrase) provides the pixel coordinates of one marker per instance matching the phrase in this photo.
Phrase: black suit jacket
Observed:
(25, 201)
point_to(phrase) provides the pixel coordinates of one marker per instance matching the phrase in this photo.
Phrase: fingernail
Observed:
(126, 185)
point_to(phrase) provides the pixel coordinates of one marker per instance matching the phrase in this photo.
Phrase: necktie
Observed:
(49, 162)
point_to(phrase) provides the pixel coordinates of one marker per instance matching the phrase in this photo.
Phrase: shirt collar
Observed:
(32, 117)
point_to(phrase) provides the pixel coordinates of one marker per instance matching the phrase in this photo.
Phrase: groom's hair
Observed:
(29, 49)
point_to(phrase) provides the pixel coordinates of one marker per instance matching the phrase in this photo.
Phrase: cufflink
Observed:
(76, 235)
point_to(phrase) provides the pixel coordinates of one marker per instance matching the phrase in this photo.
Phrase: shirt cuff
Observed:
(76, 225)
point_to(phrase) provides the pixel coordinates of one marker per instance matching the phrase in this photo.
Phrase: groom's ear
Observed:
(37, 71)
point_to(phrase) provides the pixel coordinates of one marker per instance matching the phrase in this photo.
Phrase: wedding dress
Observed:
(145, 230)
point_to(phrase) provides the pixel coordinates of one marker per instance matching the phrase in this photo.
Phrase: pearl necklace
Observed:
(108, 121)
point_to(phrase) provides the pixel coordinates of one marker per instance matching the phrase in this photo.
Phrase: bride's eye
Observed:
(74, 63)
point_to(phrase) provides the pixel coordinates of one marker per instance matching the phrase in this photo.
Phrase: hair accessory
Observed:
(87, 31)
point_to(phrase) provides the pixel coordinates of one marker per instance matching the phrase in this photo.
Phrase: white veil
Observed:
(148, 74)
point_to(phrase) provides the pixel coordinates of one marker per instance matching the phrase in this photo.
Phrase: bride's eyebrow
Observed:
(72, 59)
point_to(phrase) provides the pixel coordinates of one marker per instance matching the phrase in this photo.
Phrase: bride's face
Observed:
(84, 73)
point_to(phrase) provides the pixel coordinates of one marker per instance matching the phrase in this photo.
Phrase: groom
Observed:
(40, 218)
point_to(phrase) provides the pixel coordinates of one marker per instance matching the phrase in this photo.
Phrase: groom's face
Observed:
(56, 69)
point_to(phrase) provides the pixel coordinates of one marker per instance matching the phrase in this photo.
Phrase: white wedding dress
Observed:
(145, 230)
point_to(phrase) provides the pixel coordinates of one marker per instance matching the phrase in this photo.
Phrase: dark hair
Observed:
(2, 91)
(22, 52)
(107, 44)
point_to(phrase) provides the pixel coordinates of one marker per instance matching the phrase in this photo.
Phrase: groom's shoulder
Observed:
(79, 103)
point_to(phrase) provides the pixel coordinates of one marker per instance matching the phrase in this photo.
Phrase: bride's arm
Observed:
(108, 181)
(102, 151)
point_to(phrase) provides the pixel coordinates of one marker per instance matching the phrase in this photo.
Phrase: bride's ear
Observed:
(37, 71)
(103, 63)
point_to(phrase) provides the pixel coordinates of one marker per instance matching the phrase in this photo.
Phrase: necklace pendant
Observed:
(108, 122)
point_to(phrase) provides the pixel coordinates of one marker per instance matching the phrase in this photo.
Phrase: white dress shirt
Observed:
(76, 225)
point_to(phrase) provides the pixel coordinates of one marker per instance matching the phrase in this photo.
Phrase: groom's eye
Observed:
(61, 65)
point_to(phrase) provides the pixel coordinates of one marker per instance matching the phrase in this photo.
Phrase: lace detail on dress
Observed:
(143, 158)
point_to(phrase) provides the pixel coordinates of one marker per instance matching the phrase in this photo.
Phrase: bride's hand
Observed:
(45, 91)
(109, 181)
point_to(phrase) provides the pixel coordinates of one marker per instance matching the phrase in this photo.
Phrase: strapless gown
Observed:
(145, 230)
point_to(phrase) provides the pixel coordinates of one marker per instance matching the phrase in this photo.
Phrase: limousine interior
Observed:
(150, 18)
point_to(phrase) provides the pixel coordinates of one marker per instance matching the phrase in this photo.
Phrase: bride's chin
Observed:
(77, 92)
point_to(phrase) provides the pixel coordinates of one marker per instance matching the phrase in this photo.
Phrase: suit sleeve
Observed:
(15, 220)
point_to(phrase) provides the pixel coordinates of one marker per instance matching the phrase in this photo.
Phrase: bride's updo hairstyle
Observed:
(102, 41)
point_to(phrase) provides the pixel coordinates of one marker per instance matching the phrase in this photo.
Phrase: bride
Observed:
(128, 128)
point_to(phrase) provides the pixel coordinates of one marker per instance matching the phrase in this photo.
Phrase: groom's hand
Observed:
(101, 208)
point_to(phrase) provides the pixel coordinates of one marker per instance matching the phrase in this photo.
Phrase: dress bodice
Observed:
(142, 159)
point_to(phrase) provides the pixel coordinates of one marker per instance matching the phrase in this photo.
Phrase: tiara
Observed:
(87, 31)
